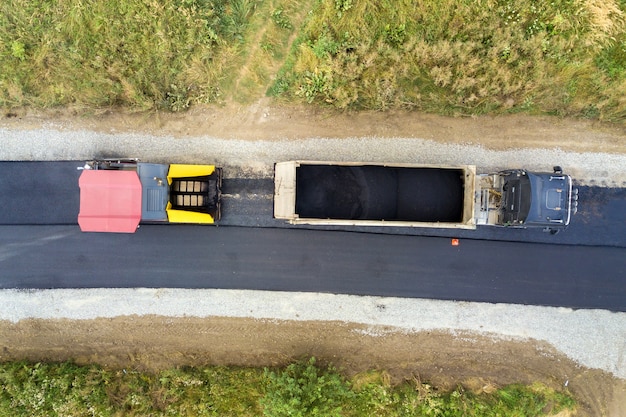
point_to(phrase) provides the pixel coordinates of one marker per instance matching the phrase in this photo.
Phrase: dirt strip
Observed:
(152, 343)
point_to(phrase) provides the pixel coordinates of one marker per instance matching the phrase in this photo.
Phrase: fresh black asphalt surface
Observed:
(39, 192)
(41, 247)
(306, 260)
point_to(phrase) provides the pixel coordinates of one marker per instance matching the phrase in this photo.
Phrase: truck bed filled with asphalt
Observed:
(380, 193)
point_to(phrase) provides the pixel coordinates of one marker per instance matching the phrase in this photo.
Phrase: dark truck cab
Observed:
(545, 200)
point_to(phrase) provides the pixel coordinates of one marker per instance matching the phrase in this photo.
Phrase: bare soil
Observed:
(153, 343)
(267, 120)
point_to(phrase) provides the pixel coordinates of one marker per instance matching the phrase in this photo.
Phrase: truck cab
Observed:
(518, 198)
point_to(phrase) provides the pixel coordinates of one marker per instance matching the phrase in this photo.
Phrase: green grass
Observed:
(300, 389)
(564, 57)
(143, 54)
(267, 43)
(560, 57)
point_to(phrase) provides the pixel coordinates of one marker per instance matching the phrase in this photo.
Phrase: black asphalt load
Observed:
(379, 193)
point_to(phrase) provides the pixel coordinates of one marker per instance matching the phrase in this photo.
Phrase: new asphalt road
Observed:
(41, 247)
(320, 261)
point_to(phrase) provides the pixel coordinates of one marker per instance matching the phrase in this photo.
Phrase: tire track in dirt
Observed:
(256, 49)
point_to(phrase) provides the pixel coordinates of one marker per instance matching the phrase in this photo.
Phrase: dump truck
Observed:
(116, 195)
(412, 195)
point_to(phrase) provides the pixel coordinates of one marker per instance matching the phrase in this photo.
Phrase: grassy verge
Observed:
(142, 54)
(301, 389)
(562, 57)
(268, 39)
(137, 53)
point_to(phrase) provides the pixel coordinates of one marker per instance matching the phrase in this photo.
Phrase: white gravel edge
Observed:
(257, 158)
(592, 338)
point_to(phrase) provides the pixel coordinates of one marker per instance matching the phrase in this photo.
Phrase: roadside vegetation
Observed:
(561, 57)
(300, 389)
(143, 54)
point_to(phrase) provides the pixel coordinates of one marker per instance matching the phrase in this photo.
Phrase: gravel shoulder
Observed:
(265, 120)
(247, 141)
(586, 336)
(445, 342)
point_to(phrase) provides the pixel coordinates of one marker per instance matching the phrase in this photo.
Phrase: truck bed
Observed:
(374, 194)
(379, 193)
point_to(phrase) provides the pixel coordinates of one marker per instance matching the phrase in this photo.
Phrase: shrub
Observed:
(303, 390)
